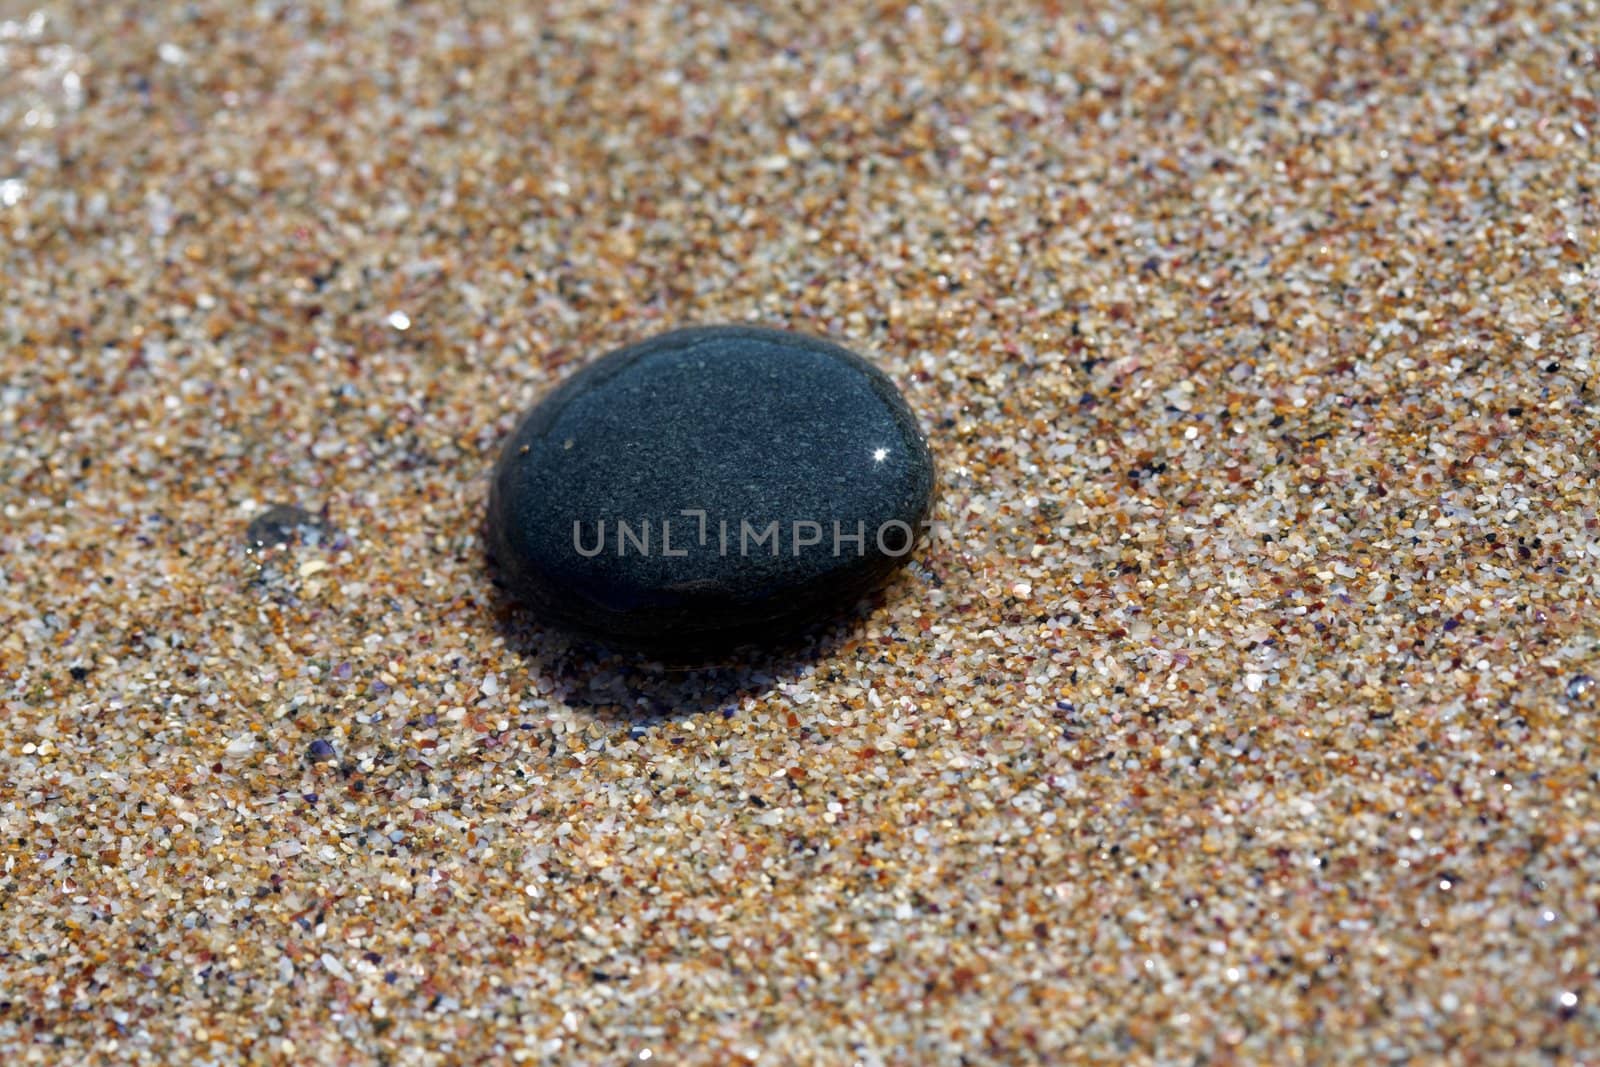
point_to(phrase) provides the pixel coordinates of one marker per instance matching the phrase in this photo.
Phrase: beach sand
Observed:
(1242, 711)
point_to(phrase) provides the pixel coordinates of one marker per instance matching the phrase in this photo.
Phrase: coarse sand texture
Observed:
(1240, 710)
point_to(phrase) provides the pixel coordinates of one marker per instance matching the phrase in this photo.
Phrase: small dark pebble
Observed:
(1578, 685)
(283, 524)
(320, 751)
(708, 488)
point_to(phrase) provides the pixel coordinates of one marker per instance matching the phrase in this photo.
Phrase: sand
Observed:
(1242, 711)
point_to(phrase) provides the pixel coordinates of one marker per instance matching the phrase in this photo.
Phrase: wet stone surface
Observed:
(709, 487)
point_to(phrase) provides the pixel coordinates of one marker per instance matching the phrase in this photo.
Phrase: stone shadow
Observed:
(629, 689)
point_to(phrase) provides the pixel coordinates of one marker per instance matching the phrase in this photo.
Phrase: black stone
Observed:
(321, 751)
(750, 426)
